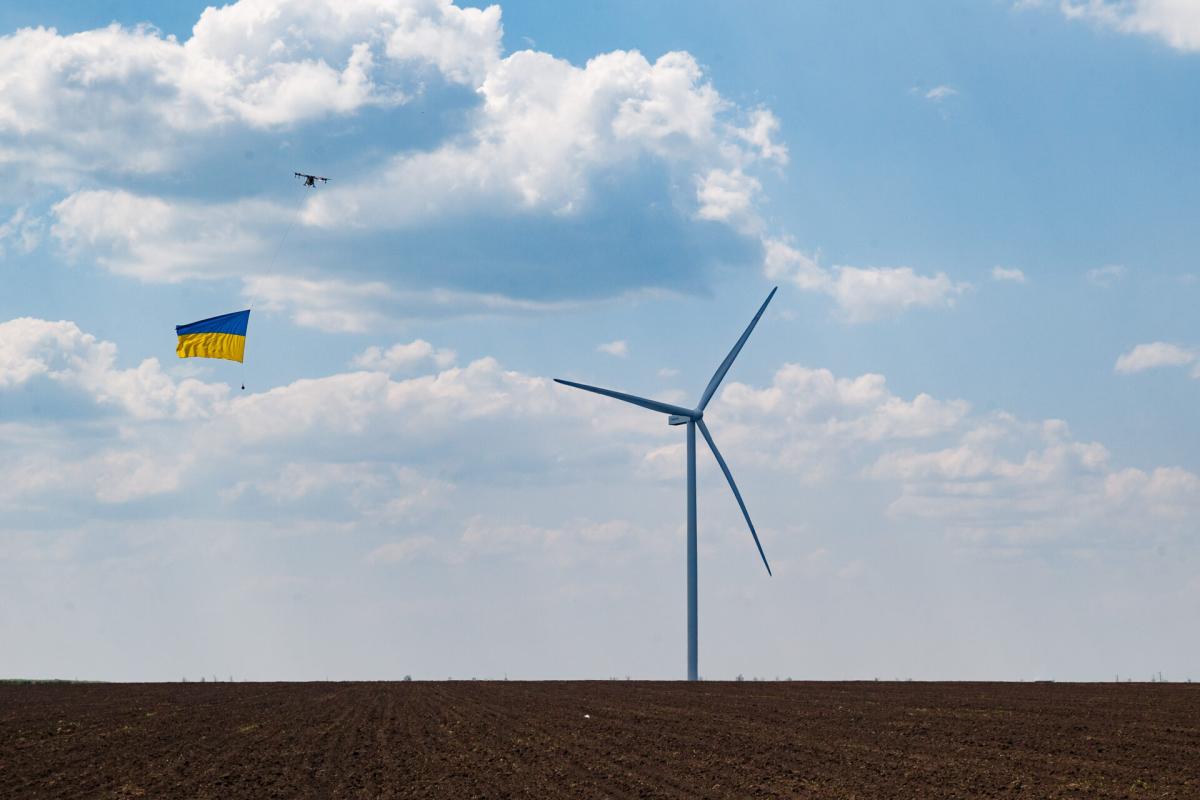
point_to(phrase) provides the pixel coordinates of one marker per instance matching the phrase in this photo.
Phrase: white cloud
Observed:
(546, 143)
(343, 306)
(305, 440)
(546, 137)
(121, 99)
(365, 402)
(1056, 490)
(126, 476)
(1164, 491)
(939, 93)
(986, 480)
(547, 130)
(807, 408)
(1106, 276)
(340, 415)
(1152, 355)
(1009, 274)
(619, 348)
(62, 353)
(22, 232)
(782, 261)
(728, 196)
(171, 241)
(328, 305)
(402, 357)
(1176, 22)
(668, 372)
(155, 240)
(863, 294)
(762, 132)
(867, 294)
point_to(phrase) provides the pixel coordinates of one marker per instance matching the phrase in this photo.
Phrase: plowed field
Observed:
(872, 741)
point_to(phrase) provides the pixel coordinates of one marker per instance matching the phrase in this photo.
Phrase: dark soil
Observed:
(870, 741)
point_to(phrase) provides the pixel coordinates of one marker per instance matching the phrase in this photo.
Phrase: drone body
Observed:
(311, 180)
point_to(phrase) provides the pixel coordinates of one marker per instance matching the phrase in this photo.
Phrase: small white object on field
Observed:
(587, 716)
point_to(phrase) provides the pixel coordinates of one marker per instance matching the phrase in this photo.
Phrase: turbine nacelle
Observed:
(678, 419)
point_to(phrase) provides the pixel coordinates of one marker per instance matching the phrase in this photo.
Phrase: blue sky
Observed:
(965, 427)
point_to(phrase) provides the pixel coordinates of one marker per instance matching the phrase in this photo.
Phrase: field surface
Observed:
(871, 741)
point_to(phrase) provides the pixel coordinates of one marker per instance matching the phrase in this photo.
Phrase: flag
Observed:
(215, 337)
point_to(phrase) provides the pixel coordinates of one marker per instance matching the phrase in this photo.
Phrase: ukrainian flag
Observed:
(215, 337)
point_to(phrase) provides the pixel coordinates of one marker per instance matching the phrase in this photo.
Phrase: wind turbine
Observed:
(694, 418)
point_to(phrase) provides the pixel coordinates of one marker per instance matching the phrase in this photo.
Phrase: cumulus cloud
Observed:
(1175, 22)
(939, 93)
(1106, 276)
(286, 443)
(57, 380)
(782, 261)
(1009, 274)
(401, 357)
(805, 411)
(121, 98)
(762, 133)
(1012, 483)
(156, 240)
(1153, 355)
(344, 306)
(364, 401)
(728, 196)
(321, 452)
(871, 293)
(990, 480)
(862, 293)
(21, 232)
(619, 348)
(544, 150)
(547, 130)
(1170, 492)
(63, 354)
(327, 304)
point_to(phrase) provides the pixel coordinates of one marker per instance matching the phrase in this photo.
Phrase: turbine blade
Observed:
(719, 375)
(729, 477)
(653, 405)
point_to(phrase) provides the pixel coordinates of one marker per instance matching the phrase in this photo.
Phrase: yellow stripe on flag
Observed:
(211, 345)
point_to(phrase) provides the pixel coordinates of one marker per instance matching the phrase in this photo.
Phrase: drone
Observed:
(311, 180)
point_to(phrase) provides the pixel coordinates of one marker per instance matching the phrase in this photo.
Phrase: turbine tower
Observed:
(694, 418)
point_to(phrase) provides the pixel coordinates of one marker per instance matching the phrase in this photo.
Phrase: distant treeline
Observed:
(23, 681)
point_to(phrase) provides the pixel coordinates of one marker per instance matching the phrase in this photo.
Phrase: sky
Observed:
(965, 427)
